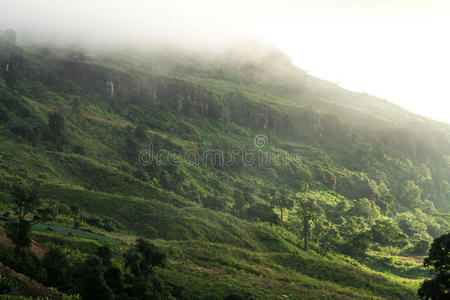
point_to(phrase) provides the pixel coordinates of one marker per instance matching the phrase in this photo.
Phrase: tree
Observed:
(357, 246)
(421, 247)
(20, 235)
(410, 224)
(114, 278)
(10, 78)
(385, 232)
(132, 149)
(143, 258)
(140, 261)
(366, 208)
(92, 284)
(105, 253)
(271, 196)
(439, 260)
(75, 212)
(140, 134)
(309, 211)
(56, 264)
(56, 126)
(248, 197)
(283, 201)
(25, 201)
(239, 201)
(262, 212)
(113, 274)
(242, 199)
(46, 214)
(410, 196)
(194, 194)
(214, 202)
(328, 236)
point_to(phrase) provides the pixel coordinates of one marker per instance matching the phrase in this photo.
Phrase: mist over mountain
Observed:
(143, 158)
(393, 50)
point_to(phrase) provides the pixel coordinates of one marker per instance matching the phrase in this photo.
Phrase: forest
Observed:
(353, 204)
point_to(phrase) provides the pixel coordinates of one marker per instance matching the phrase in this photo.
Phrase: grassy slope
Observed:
(212, 253)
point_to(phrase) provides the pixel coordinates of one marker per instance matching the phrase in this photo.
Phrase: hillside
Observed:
(210, 156)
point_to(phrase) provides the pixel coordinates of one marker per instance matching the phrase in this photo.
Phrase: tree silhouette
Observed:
(25, 201)
(140, 262)
(439, 259)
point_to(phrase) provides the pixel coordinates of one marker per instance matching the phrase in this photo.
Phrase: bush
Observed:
(7, 285)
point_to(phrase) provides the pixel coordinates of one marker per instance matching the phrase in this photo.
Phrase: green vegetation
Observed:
(342, 197)
(439, 259)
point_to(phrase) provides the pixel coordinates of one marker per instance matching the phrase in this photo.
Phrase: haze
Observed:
(393, 49)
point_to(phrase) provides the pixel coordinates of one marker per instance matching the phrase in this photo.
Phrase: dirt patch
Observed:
(412, 259)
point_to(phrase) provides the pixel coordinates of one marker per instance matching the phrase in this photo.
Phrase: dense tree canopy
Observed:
(439, 260)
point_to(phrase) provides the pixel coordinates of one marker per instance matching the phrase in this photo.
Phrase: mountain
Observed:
(213, 155)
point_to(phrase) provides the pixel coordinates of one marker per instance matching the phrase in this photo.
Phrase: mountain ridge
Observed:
(78, 124)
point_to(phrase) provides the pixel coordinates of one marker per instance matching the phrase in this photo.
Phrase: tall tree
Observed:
(25, 200)
(309, 211)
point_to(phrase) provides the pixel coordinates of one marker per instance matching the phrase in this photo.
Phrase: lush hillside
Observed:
(221, 159)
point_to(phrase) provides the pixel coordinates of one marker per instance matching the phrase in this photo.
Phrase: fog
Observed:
(197, 24)
(393, 49)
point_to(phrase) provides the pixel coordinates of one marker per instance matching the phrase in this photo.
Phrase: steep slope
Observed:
(82, 127)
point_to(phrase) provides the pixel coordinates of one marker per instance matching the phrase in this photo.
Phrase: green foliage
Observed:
(366, 208)
(358, 245)
(308, 211)
(262, 212)
(56, 264)
(25, 200)
(410, 195)
(7, 285)
(92, 284)
(57, 128)
(46, 214)
(439, 260)
(368, 173)
(144, 258)
(385, 232)
(20, 235)
(27, 263)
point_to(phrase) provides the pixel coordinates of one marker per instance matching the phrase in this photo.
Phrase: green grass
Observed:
(217, 270)
(70, 232)
(213, 254)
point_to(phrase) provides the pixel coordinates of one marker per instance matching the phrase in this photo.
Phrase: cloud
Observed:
(100, 22)
(394, 49)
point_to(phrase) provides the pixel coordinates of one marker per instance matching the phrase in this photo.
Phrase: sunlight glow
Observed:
(393, 49)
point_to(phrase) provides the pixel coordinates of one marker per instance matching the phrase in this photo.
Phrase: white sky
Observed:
(393, 49)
